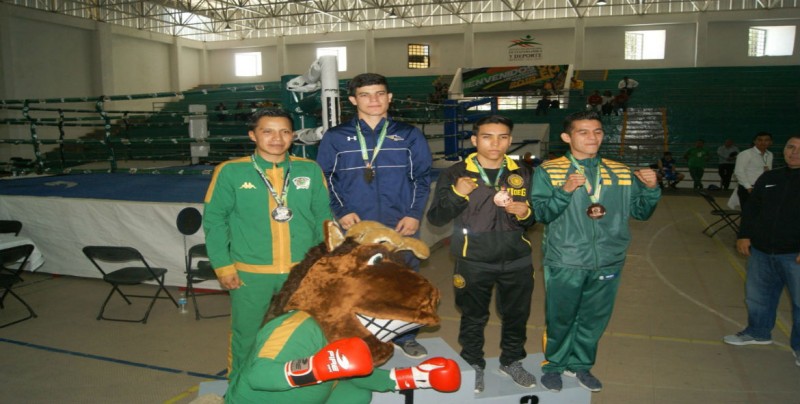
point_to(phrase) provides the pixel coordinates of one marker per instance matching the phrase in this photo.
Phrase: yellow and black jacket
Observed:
(483, 231)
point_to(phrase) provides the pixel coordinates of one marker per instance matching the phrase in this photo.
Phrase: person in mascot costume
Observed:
(331, 325)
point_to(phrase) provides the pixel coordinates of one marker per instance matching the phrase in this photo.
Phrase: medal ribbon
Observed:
(598, 185)
(363, 143)
(485, 178)
(279, 199)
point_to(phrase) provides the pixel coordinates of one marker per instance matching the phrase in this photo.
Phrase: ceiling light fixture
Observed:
(392, 14)
(228, 27)
(601, 2)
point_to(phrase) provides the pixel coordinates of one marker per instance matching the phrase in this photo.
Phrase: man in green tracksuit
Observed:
(585, 202)
(262, 214)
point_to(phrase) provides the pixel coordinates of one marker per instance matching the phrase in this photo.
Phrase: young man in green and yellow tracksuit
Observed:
(585, 202)
(262, 214)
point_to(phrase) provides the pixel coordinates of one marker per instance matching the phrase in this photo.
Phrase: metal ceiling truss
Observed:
(217, 20)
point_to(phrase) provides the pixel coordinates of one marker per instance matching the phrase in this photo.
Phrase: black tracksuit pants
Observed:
(474, 282)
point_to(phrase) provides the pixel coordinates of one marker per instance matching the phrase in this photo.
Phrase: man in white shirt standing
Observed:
(727, 162)
(628, 84)
(751, 163)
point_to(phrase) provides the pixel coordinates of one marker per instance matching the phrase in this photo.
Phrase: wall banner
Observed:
(525, 50)
(513, 79)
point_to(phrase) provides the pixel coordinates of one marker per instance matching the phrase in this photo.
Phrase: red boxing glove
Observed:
(346, 357)
(439, 373)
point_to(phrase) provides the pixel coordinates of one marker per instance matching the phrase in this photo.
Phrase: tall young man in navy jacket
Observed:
(377, 169)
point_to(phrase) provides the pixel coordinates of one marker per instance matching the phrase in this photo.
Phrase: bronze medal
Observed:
(502, 198)
(369, 174)
(282, 214)
(596, 211)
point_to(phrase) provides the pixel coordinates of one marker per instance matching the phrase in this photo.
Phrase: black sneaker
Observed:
(552, 381)
(479, 384)
(413, 349)
(586, 379)
(520, 376)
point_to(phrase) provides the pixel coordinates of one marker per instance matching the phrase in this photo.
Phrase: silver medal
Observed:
(282, 214)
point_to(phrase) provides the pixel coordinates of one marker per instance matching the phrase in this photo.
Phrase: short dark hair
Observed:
(366, 79)
(759, 134)
(492, 119)
(580, 116)
(271, 113)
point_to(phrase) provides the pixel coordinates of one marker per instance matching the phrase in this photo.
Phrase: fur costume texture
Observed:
(352, 285)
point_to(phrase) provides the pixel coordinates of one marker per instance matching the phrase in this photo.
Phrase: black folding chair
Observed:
(12, 262)
(10, 226)
(138, 272)
(727, 217)
(200, 270)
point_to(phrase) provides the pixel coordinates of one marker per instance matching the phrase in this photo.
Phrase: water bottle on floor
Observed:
(182, 304)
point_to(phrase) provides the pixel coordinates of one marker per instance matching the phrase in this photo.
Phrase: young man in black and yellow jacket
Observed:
(486, 196)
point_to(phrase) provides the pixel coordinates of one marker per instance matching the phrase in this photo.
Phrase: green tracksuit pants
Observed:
(249, 304)
(578, 306)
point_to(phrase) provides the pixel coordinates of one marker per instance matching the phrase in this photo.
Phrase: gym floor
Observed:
(681, 292)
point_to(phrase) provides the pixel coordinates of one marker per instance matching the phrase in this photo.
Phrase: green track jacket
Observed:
(571, 238)
(240, 232)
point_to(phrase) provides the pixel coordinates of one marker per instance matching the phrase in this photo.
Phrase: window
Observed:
(419, 56)
(645, 45)
(341, 56)
(771, 41)
(248, 64)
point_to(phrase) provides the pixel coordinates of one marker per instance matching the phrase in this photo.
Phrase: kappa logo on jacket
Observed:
(351, 138)
(247, 185)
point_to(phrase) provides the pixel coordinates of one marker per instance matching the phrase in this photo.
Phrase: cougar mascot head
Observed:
(332, 323)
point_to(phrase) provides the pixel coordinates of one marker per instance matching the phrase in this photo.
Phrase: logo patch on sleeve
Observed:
(515, 181)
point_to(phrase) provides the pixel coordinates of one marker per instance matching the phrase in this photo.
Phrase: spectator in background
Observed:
(628, 84)
(750, 164)
(697, 157)
(222, 112)
(594, 102)
(576, 84)
(241, 112)
(770, 239)
(543, 105)
(621, 102)
(668, 172)
(608, 102)
(727, 161)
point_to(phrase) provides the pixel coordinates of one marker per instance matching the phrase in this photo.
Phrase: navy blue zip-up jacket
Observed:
(402, 172)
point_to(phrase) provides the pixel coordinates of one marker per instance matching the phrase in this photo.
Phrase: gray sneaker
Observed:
(740, 338)
(586, 379)
(413, 349)
(796, 358)
(479, 385)
(519, 374)
(552, 381)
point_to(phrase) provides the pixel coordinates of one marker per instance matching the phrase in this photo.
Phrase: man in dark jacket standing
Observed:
(378, 169)
(770, 237)
(486, 197)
